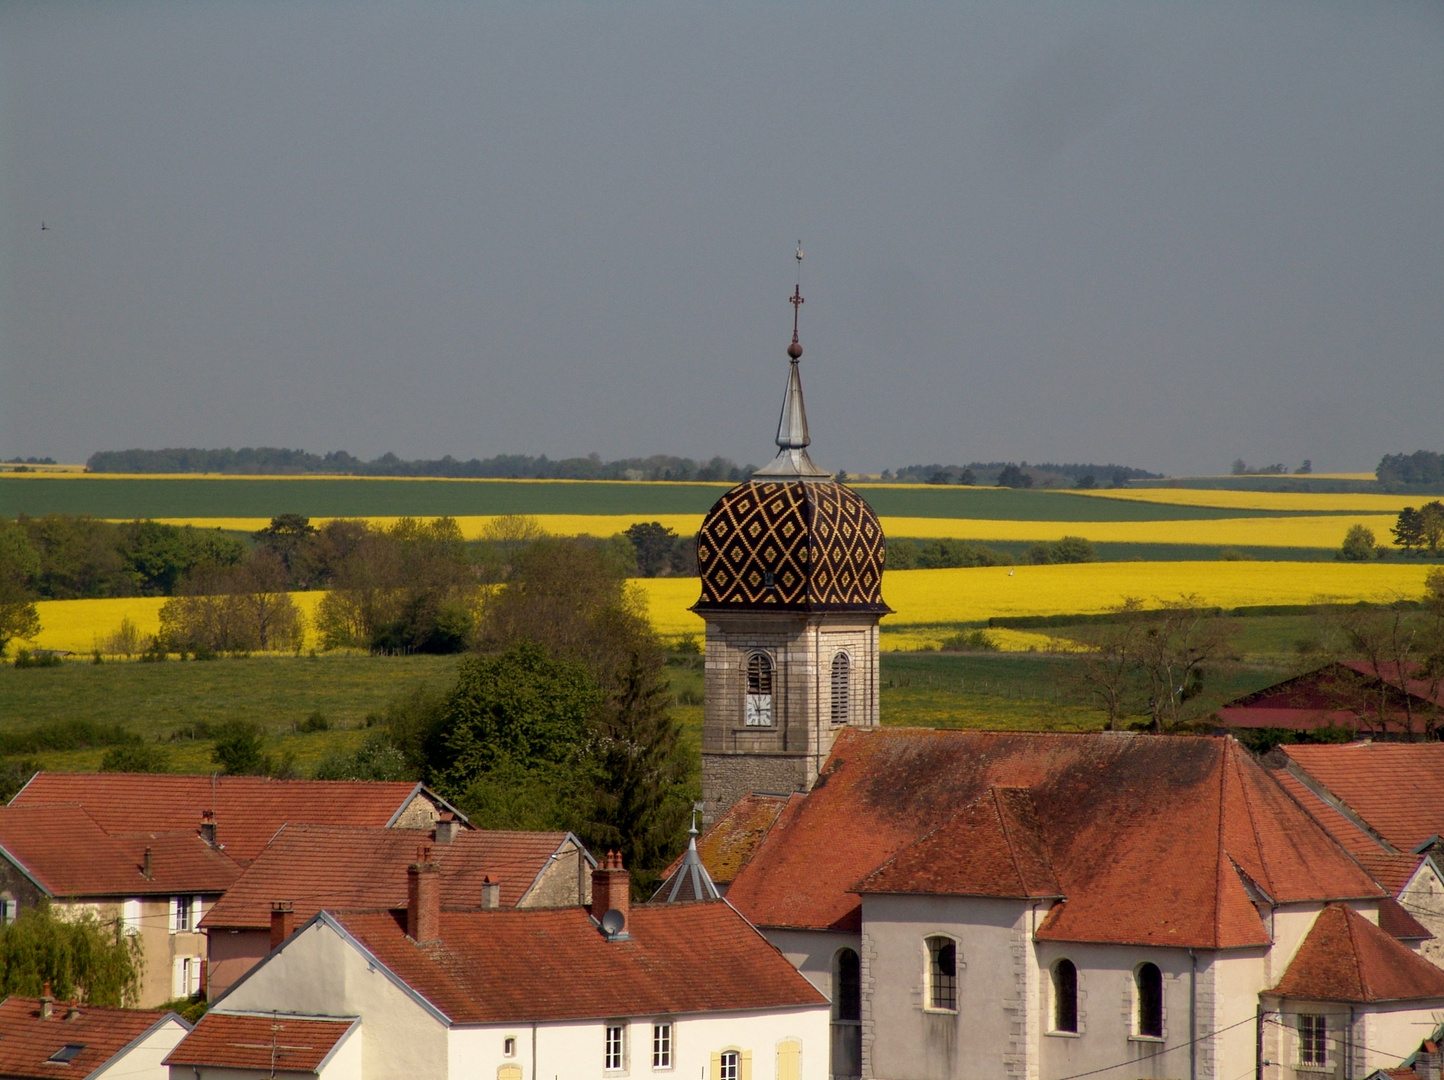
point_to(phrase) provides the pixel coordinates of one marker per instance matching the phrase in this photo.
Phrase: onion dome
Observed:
(791, 538)
(791, 545)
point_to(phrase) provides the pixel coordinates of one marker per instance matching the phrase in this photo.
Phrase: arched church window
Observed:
(1150, 1001)
(841, 688)
(1065, 997)
(846, 1015)
(942, 973)
(759, 690)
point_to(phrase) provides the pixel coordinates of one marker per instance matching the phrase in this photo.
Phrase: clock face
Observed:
(759, 710)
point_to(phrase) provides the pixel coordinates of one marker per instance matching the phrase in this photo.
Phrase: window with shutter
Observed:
(789, 1060)
(841, 688)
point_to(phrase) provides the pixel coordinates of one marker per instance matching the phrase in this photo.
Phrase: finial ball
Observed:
(794, 350)
(799, 252)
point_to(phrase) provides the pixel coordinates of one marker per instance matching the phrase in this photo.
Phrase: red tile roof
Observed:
(1397, 788)
(521, 965)
(1146, 835)
(234, 1041)
(1262, 716)
(991, 847)
(248, 809)
(1395, 921)
(27, 1042)
(734, 837)
(69, 854)
(320, 866)
(1345, 957)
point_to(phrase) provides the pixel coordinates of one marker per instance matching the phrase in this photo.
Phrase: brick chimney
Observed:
(490, 893)
(208, 827)
(423, 898)
(47, 1003)
(73, 1013)
(611, 887)
(283, 921)
(446, 827)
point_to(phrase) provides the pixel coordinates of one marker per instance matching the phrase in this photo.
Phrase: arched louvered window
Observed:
(1065, 996)
(841, 688)
(1150, 1001)
(759, 690)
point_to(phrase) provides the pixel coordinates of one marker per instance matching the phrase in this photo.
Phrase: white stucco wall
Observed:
(812, 951)
(348, 1059)
(143, 1061)
(575, 1049)
(1423, 898)
(1390, 1033)
(995, 1023)
(185, 1072)
(319, 973)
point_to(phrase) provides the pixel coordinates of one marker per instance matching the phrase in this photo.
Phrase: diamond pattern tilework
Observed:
(791, 545)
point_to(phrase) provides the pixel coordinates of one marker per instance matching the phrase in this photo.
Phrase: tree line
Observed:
(266, 460)
(1018, 475)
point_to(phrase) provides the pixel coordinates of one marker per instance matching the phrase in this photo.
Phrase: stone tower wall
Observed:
(787, 755)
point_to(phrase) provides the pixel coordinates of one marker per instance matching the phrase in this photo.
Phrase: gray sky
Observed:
(1158, 234)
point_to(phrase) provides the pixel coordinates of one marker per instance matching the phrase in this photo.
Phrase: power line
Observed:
(1166, 1050)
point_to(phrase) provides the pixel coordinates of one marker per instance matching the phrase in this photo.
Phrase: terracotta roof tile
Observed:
(1345, 957)
(27, 1042)
(734, 837)
(991, 847)
(319, 866)
(248, 809)
(233, 1041)
(1398, 923)
(64, 849)
(1396, 788)
(504, 966)
(1141, 832)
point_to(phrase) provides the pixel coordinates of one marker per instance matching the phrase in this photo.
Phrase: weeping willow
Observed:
(81, 957)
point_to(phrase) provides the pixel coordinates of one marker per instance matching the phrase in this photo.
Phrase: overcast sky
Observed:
(1164, 235)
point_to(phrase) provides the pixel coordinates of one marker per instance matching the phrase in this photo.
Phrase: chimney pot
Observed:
(47, 1002)
(446, 828)
(146, 867)
(73, 1013)
(611, 888)
(423, 898)
(208, 826)
(490, 893)
(283, 921)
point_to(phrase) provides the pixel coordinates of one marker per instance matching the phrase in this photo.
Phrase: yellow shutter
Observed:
(716, 1073)
(789, 1060)
(509, 1072)
(744, 1066)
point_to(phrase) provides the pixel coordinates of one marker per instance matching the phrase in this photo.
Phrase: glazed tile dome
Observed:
(791, 545)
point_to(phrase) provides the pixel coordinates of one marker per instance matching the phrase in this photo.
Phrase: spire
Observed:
(792, 437)
(691, 881)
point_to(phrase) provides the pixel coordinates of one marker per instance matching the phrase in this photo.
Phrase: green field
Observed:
(123, 498)
(163, 703)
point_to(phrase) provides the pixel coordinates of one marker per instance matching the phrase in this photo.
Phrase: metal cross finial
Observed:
(795, 349)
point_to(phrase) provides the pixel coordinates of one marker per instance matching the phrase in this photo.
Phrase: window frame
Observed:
(840, 705)
(758, 703)
(1139, 995)
(664, 1036)
(1313, 1044)
(1062, 994)
(938, 985)
(732, 1058)
(508, 1046)
(614, 1049)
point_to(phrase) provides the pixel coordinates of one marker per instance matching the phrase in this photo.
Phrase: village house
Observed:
(310, 867)
(496, 993)
(157, 851)
(1384, 803)
(1355, 695)
(41, 1038)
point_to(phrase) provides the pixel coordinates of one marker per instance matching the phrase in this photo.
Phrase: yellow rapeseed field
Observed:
(79, 625)
(1324, 531)
(1317, 502)
(934, 597)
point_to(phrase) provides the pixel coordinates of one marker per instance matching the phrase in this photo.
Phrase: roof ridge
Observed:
(1007, 837)
(1222, 851)
(1235, 751)
(1365, 991)
(1318, 787)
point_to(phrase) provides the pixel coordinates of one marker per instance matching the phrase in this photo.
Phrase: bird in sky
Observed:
(44, 227)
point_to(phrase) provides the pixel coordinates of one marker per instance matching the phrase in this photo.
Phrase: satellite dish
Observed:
(613, 922)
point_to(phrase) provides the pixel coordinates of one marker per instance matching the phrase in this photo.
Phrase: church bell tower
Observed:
(791, 565)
